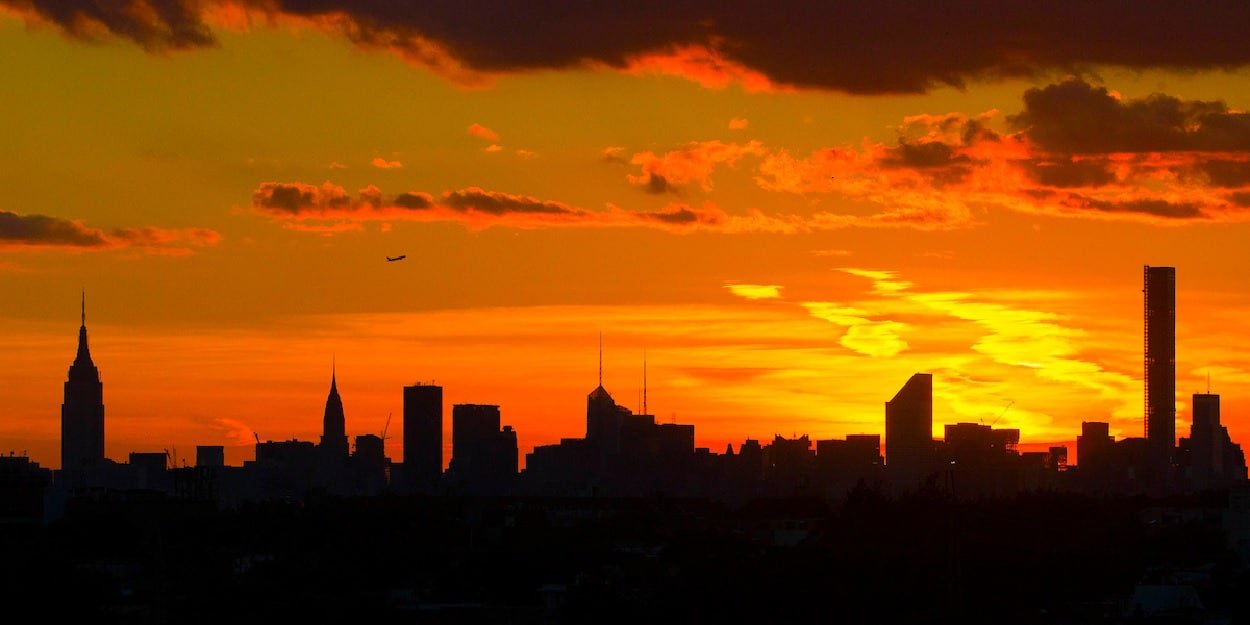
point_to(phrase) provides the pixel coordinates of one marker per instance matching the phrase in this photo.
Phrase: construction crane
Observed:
(1000, 415)
(386, 427)
(169, 460)
(257, 437)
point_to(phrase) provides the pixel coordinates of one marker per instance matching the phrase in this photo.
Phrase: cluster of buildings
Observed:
(628, 454)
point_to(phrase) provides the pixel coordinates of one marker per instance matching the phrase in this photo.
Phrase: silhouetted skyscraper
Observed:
(483, 456)
(333, 424)
(82, 413)
(603, 416)
(423, 435)
(472, 425)
(909, 429)
(1206, 440)
(603, 421)
(1093, 446)
(1160, 311)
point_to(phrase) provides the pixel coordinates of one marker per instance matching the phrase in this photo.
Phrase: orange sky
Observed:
(789, 217)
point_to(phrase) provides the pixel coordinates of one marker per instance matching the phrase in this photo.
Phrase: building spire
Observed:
(601, 359)
(84, 353)
(333, 374)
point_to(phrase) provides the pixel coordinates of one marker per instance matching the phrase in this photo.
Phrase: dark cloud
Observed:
(1150, 208)
(683, 217)
(891, 46)
(296, 198)
(1076, 117)
(414, 201)
(939, 160)
(153, 24)
(1241, 198)
(1068, 173)
(45, 231)
(975, 131)
(496, 203)
(1226, 173)
(680, 216)
(862, 47)
(923, 155)
(656, 184)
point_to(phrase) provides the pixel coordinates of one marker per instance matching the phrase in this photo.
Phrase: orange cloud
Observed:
(739, 123)
(482, 132)
(702, 65)
(382, 163)
(614, 154)
(692, 163)
(1170, 162)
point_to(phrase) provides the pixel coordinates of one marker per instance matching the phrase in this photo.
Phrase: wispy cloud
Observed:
(863, 335)
(755, 291)
(1023, 339)
(480, 208)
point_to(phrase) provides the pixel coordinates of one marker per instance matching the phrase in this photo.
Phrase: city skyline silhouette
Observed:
(628, 452)
(335, 417)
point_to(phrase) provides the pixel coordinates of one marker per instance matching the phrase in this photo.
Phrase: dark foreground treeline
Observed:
(1037, 558)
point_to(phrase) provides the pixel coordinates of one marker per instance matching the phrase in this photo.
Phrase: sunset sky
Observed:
(790, 210)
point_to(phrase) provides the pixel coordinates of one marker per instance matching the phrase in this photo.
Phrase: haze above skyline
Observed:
(788, 237)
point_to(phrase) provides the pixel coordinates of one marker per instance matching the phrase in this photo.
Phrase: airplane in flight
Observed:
(400, 257)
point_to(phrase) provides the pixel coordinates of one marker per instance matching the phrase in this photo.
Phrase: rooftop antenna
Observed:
(601, 359)
(644, 381)
(84, 307)
(1208, 381)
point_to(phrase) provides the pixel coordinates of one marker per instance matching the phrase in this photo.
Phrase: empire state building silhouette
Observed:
(82, 413)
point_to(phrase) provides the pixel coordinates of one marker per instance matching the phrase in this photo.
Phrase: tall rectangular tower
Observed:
(1160, 305)
(423, 435)
(909, 429)
(1205, 440)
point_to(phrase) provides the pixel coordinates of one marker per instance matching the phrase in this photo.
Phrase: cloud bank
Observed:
(843, 45)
